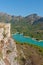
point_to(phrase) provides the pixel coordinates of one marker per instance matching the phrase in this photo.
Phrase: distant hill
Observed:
(31, 25)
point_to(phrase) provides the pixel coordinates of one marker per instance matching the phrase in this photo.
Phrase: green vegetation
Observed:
(24, 26)
(29, 54)
(31, 25)
(39, 49)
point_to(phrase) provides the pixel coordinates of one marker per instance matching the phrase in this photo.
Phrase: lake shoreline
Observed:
(28, 37)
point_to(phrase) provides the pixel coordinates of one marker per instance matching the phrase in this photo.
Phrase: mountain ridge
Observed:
(31, 25)
(6, 16)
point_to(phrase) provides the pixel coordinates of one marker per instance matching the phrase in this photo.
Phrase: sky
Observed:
(21, 7)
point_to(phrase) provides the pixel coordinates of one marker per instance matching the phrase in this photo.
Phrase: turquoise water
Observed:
(23, 39)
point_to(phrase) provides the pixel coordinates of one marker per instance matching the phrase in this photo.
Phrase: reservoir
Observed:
(22, 39)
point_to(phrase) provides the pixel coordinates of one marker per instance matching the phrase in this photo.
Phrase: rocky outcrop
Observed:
(13, 53)
(9, 52)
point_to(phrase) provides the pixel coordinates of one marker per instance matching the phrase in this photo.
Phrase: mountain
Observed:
(16, 53)
(31, 25)
(29, 54)
(31, 18)
(39, 21)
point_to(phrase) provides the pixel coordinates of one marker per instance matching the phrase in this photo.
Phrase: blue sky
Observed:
(21, 7)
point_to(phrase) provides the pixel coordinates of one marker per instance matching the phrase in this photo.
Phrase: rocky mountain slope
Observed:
(29, 54)
(13, 53)
(31, 25)
(8, 52)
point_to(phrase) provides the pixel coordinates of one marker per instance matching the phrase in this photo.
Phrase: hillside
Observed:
(31, 25)
(15, 53)
(29, 54)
